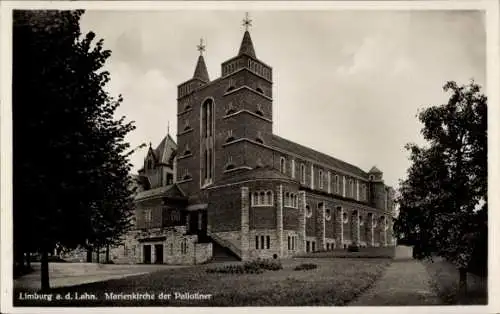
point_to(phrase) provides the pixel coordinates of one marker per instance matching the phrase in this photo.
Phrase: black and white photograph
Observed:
(249, 154)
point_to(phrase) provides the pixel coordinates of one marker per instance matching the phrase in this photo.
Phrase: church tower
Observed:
(222, 123)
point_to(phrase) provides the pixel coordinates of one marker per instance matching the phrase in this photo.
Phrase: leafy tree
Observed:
(71, 169)
(443, 201)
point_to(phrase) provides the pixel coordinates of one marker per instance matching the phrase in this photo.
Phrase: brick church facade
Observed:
(229, 182)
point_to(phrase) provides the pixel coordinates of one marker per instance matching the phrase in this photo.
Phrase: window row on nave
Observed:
(327, 181)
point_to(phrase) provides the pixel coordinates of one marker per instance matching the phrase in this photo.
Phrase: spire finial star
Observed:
(247, 22)
(201, 47)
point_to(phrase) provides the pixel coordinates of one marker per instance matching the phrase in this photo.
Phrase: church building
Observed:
(227, 183)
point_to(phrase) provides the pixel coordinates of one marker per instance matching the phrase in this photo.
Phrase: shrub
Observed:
(236, 269)
(306, 266)
(251, 267)
(266, 264)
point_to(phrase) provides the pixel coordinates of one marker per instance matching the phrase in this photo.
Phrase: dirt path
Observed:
(405, 282)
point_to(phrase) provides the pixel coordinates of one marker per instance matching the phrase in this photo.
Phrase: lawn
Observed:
(444, 280)
(333, 282)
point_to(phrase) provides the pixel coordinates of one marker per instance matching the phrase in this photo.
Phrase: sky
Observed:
(346, 83)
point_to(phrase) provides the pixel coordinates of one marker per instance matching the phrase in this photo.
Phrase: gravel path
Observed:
(405, 282)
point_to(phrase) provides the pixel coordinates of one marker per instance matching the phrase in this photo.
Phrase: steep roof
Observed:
(201, 72)
(259, 173)
(165, 150)
(309, 153)
(246, 46)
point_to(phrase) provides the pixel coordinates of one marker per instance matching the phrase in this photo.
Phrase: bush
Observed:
(266, 264)
(353, 248)
(236, 269)
(306, 266)
(251, 267)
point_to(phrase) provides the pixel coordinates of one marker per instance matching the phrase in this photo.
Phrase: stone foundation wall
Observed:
(274, 248)
(203, 252)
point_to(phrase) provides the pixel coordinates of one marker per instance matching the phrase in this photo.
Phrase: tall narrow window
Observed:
(321, 179)
(293, 168)
(337, 184)
(282, 165)
(256, 242)
(262, 242)
(302, 174)
(268, 242)
(207, 127)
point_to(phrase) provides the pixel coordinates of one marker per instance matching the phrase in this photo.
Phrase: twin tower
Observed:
(218, 119)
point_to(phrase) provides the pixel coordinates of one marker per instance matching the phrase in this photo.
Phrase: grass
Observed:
(369, 252)
(444, 280)
(333, 282)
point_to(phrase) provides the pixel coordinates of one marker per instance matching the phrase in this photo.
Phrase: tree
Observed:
(71, 168)
(443, 200)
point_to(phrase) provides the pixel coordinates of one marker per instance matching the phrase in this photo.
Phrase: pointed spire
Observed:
(201, 69)
(246, 44)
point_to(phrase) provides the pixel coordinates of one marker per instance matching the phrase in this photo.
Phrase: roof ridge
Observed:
(319, 152)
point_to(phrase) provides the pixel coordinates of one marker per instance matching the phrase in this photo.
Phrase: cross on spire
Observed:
(247, 22)
(201, 47)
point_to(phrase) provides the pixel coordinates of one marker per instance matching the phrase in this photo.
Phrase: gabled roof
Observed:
(167, 147)
(260, 173)
(170, 191)
(309, 153)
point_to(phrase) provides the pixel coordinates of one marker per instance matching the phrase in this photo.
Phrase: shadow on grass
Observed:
(444, 280)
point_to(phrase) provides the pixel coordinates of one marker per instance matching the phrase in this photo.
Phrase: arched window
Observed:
(150, 164)
(282, 165)
(345, 218)
(262, 197)
(328, 214)
(269, 197)
(337, 184)
(361, 220)
(320, 179)
(308, 211)
(287, 199)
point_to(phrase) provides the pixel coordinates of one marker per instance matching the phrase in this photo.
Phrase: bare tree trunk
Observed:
(45, 285)
(89, 255)
(462, 284)
(98, 250)
(107, 253)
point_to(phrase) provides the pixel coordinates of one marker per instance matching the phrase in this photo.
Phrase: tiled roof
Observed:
(292, 147)
(260, 173)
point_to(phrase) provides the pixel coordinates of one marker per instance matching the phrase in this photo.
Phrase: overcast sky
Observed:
(346, 83)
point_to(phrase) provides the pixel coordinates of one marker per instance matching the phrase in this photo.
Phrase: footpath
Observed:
(405, 282)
